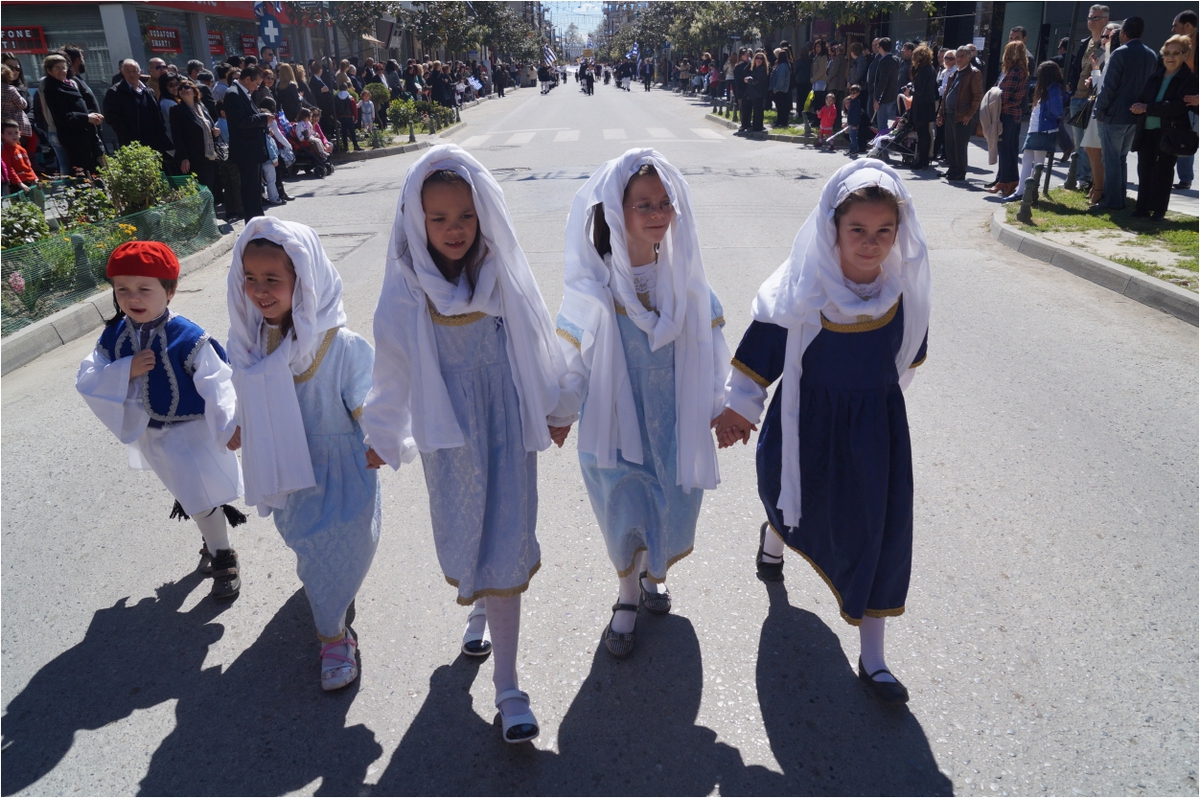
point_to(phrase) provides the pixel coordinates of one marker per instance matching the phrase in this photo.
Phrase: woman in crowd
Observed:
(781, 87)
(76, 122)
(923, 111)
(1160, 111)
(1014, 85)
(756, 91)
(943, 78)
(287, 93)
(1044, 121)
(1090, 142)
(15, 104)
(820, 65)
(192, 131)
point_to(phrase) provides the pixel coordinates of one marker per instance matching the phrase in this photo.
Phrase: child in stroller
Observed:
(311, 155)
(900, 139)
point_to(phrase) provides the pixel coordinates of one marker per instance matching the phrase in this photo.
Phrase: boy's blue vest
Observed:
(168, 392)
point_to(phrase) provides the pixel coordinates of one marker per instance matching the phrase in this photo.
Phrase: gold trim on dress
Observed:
(718, 321)
(749, 372)
(497, 592)
(654, 579)
(852, 621)
(337, 639)
(357, 414)
(919, 362)
(459, 320)
(621, 308)
(330, 334)
(862, 326)
(274, 338)
(571, 339)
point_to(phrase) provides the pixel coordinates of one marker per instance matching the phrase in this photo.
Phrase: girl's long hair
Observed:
(1048, 74)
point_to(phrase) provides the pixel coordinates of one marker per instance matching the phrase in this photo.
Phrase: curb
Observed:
(1150, 291)
(720, 120)
(399, 149)
(48, 334)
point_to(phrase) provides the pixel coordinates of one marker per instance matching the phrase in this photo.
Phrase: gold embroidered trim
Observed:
(622, 312)
(654, 579)
(566, 336)
(498, 593)
(862, 326)
(852, 621)
(460, 320)
(919, 362)
(357, 414)
(316, 364)
(718, 322)
(274, 338)
(749, 372)
(339, 636)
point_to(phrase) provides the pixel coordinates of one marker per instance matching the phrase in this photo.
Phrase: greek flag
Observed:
(589, 41)
(548, 55)
(633, 54)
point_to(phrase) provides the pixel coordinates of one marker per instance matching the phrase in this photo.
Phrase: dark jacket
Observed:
(1129, 68)
(1170, 110)
(187, 132)
(739, 78)
(207, 100)
(247, 128)
(69, 110)
(802, 75)
(135, 116)
(886, 79)
(970, 95)
(756, 88)
(320, 95)
(290, 102)
(925, 96)
(872, 79)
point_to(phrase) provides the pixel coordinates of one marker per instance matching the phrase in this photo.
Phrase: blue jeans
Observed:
(60, 153)
(1115, 143)
(885, 115)
(1186, 166)
(1083, 166)
(853, 133)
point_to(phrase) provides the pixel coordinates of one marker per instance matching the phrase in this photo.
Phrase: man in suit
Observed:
(131, 109)
(886, 86)
(1129, 68)
(247, 138)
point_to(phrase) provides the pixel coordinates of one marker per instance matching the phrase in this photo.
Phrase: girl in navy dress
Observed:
(843, 322)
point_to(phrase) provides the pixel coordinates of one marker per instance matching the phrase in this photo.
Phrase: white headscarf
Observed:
(684, 316)
(811, 280)
(275, 456)
(422, 418)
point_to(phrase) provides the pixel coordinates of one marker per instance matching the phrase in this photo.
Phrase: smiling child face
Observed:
(269, 281)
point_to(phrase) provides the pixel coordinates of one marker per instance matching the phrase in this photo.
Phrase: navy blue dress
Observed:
(856, 479)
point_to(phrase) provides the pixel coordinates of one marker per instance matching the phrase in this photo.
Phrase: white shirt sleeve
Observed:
(112, 396)
(573, 387)
(387, 411)
(214, 382)
(744, 396)
(721, 369)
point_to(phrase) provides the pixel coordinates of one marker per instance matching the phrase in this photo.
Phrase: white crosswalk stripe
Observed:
(566, 135)
(615, 133)
(521, 138)
(610, 134)
(660, 133)
(476, 141)
(707, 133)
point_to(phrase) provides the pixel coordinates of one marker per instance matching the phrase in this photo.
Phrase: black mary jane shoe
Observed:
(226, 581)
(619, 644)
(886, 692)
(767, 571)
(656, 603)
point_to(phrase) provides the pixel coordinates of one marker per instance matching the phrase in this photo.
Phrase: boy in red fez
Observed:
(163, 386)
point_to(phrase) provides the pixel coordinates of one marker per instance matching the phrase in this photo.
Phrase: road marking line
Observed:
(521, 138)
(660, 133)
(566, 135)
(614, 133)
(476, 141)
(705, 133)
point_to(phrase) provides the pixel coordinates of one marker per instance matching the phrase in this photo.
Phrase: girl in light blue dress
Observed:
(641, 331)
(301, 379)
(468, 376)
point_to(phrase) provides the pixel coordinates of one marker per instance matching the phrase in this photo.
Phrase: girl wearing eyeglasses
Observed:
(641, 332)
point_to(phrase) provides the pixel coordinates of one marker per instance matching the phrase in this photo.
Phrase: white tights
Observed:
(504, 621)
(213, 529)
(629, 591)
(1029, 158)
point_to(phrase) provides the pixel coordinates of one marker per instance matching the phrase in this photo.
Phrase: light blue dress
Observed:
(642, 507)
(334, 527)
(483, 495)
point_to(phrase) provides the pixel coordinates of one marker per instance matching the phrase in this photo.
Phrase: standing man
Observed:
(963, 96)
(886, 87)
(739, 88)
(132, 111)
(868, 70)
(247, 138)
(322, 97)
(268, 58)
(1129, 68)
(1079, 70)
(1185, 25)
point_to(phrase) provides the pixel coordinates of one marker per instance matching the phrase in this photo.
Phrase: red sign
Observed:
(216, 43)
(164, 40)
(285, 50)
(249, 44)
(23, 40)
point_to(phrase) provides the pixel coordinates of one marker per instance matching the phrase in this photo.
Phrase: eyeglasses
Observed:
(1096, 19)
(1173, 54)
(647, 208)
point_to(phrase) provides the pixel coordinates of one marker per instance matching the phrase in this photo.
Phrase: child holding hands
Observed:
(844, 321)
(468, 375)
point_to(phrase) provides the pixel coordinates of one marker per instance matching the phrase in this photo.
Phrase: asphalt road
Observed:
(1050, 642)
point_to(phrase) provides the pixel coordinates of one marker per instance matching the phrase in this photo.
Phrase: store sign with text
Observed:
(25, 39)
(249, 44)
(285, 50)
(164, 40)
(216, 42)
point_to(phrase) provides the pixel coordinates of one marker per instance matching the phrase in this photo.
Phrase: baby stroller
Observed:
(900, 140)
(306, 160)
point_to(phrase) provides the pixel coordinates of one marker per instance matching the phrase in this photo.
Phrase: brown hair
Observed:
(472, 260)
(922, 56)
(1183, 41)
(168, 286)
(1016, 57)
(867, 194)
(601, 232)
(267, 245)
(1048, 73)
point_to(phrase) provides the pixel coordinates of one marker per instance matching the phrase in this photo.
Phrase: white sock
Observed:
(772, 545)
(504, 619)
(212, 527)
(648, 585)
(628, 592)
(870, 638)
(476, 622)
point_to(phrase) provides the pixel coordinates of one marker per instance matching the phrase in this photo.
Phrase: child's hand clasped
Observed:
(235, 440)
(731, 427)
(374, 460)
(559, 434)
(142, 363)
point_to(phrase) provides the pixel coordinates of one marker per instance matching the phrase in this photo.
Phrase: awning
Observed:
(372, 40)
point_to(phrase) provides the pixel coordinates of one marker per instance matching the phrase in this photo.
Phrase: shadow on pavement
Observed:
(827, 733)
(130, 658)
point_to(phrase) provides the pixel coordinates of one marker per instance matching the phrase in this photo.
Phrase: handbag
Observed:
(222, 148)
(1180, 142)
(1084, 116)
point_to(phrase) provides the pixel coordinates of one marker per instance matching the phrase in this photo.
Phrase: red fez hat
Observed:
(144, 259)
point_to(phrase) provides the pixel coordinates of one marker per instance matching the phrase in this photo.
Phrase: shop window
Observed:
(166, 35)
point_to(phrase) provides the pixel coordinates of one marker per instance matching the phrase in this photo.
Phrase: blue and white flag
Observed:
(548, 55)
(633, 54)
(589, 42)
